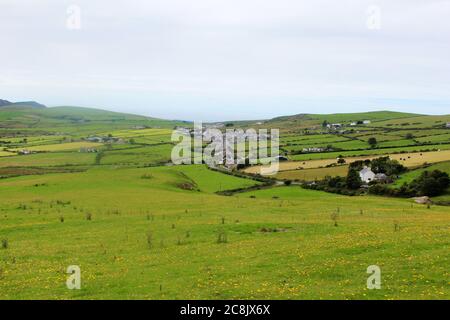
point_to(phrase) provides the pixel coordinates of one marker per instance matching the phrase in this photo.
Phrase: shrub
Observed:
(5, 244)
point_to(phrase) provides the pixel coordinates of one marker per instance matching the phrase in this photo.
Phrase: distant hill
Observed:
(22, 104)
(348, 117)
(4, 103)
(65, 119)
(306, 120)
(31, 114)
(29, 104)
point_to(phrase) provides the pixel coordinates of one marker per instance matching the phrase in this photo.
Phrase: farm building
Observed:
(88, 150)
(313, 149)
(25, 152)
(381, 177)
(367, 122)
(334, 125)
(94, 139)
(366, 175)
(447, 125)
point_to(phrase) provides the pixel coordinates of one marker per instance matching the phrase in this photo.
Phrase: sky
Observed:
(216, 60)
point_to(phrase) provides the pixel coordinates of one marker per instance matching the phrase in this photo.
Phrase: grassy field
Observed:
(49, 159)
(410, 160)
(313, 174)
(280, 243)
(141, 228)
(6, 154)
(410, 176)
(61, 146)
(369, 152)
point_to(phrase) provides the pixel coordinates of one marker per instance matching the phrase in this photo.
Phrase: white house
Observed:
(447, 125)
(25, 152)
(313, 149)
(366, 175)
(367, 121)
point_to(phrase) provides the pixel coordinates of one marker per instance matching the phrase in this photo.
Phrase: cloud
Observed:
(228, 59)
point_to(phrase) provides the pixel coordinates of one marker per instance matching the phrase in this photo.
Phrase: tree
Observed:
(341, 160)
(353, 180)
(387, 166)
(359, 164)
(429, 187)
(429, 184)
(409, 136)
(325, 124)
(373, 142)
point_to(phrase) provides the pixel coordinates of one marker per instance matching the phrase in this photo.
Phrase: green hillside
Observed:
(346, 117)
(74, 118)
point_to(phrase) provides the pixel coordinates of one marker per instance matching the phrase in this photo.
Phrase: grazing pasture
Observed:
(49, 159)
(6, 154)
(411, 175)
(140, 227)
(61, 147)
(147, 238)
(313, 174)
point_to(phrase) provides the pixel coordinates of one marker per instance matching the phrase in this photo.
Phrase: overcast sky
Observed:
(228, 59)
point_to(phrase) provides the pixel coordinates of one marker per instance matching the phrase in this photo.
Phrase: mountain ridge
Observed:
(29, 104)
